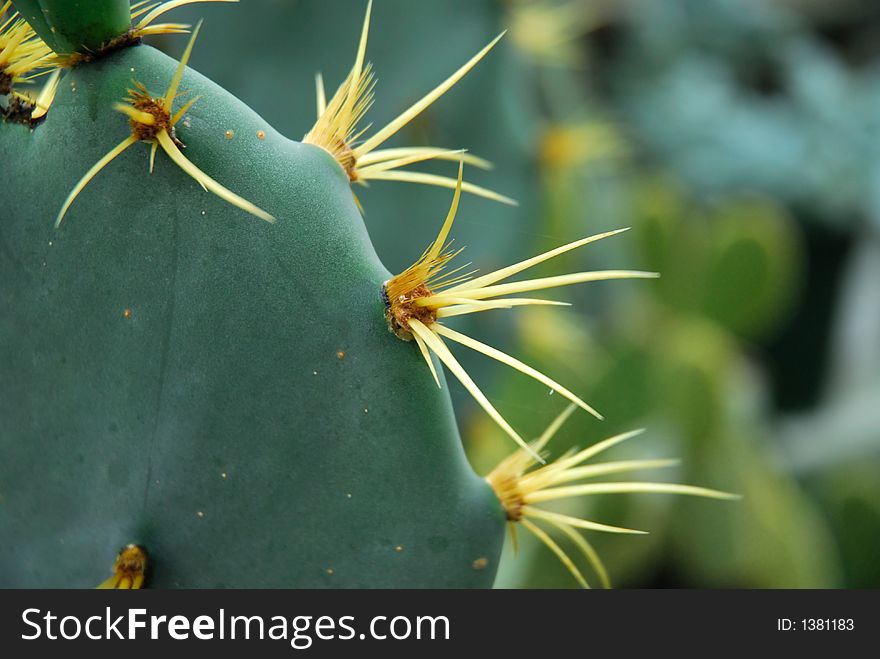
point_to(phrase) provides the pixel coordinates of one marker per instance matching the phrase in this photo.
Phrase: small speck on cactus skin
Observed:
(417, 299)
(152, 122)
(481, 563)
(337, 131)
(519, 487)
(129, 570)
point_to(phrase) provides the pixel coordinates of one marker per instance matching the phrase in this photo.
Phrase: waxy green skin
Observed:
(70, 26)
(216, 425)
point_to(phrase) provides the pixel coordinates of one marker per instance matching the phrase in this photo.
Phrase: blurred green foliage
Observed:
(729, 134)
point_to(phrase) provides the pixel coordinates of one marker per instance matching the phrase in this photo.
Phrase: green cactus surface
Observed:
(70, 26)
(224, 391)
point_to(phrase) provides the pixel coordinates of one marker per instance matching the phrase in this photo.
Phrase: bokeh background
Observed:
(740, 139)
